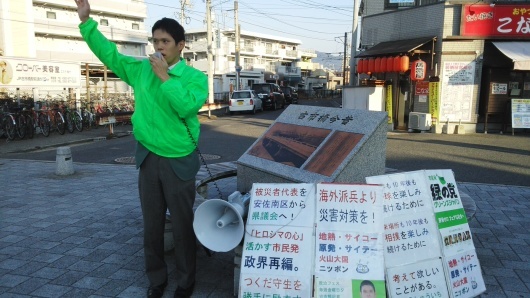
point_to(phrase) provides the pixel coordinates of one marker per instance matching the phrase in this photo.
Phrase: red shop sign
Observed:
(422, 88)
(499, 20)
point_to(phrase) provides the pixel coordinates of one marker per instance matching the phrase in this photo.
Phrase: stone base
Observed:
(460, 130)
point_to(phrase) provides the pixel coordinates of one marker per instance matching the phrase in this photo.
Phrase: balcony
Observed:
(289, 71)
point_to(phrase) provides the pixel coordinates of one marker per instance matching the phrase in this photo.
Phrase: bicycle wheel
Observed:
(30, 127)
(69, 122)
(9, 127)
(21, 126)
(59, 121)
(44, 124)
(78, 121)
(93, 121)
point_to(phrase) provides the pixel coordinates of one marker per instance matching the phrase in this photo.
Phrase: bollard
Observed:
(64, 162)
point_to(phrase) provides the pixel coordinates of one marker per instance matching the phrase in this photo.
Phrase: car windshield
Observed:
(262, 88)
(237, 95)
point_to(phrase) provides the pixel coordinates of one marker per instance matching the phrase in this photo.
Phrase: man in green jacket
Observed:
(168, 95)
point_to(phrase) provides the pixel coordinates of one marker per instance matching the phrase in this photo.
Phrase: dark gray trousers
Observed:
(159, 189)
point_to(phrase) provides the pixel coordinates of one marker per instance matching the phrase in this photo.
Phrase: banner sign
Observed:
(24, 72)
(483, 20)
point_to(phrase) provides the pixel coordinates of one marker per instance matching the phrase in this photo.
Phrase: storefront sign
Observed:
(422, 88)
(498, 88)
(493, 21)
(17, 72)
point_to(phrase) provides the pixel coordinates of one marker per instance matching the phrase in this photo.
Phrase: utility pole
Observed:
(210, 54)
(344, 81)
(182, 5)
(354, 79)
(237, 33)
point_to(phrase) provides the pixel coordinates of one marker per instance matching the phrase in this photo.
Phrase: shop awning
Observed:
(518, 51)
(395, 47)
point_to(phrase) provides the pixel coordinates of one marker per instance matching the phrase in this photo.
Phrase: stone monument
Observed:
(316, 144)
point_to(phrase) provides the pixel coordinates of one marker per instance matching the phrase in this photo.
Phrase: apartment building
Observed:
(37, 36)
(476, 55)
(41, 43)
(263, 58)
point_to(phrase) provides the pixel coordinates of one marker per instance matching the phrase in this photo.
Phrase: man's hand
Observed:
(83, 10)
(160, 67)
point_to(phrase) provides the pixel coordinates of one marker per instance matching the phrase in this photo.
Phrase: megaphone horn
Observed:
(218, 224)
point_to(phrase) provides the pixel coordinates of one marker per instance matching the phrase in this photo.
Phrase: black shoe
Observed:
(156, 291)
(184, 293)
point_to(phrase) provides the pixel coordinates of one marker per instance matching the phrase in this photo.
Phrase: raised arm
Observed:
(83, 10)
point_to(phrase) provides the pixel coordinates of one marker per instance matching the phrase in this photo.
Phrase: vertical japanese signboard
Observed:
(389, 103)
(460, 257)
(434, 99)
(349, 244)
(520, 113)
(278, 244)
(458, 79)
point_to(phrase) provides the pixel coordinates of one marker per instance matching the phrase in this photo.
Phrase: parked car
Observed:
(271, 95)
(245, 100)
(290, 94)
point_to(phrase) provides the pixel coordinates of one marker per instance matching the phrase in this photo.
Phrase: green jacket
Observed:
(159, 107)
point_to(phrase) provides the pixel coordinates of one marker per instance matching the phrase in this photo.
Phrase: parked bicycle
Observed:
(7, 123)
(73, 118)
(56, 119)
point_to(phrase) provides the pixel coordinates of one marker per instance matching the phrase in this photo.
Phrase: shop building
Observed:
(476, 59)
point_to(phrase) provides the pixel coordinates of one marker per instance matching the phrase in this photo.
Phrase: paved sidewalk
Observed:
(81, 235)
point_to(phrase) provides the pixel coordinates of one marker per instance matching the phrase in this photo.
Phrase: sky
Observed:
(319, 24)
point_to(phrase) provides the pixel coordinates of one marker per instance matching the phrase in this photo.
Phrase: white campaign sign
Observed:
(464, 275)
(419, 280)
(349, 242)
(403, 193)
(410, 238)
(279, 241)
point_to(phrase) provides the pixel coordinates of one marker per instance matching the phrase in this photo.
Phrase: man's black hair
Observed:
(366, 283)
(170, 26)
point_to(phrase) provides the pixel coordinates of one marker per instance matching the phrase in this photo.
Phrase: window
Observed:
(135, 26)
(104, 22)
(393, 4)
(51, 15)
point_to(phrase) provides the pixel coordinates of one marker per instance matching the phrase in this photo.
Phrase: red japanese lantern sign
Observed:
(377, 65)
(404, 64)
(371, 65)
(384, 64)
(418, 70)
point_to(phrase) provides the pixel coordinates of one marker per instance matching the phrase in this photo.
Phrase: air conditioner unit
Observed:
(420, 121)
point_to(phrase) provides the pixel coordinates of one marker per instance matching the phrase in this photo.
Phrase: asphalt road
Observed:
(480, 158)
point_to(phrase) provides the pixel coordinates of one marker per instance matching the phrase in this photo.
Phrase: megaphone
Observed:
(219, 225)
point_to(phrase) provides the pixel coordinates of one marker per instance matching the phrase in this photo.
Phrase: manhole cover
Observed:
(210, 156)
(127, 160)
